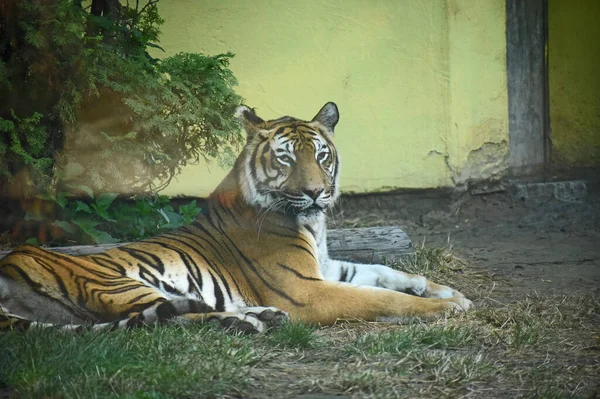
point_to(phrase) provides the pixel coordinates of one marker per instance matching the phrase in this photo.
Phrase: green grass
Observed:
(415, 336)
(294, 335)
(159, 363)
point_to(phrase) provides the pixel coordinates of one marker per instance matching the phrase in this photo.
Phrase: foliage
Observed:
(104, 219)
(83, 88)
(24, 145)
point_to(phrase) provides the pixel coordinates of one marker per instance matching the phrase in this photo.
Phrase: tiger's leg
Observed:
(180, 310)
(324, 302)
(229, 321)
(186, 311)
(386, 277)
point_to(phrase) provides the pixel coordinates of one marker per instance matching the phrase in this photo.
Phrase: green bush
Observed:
(105, 219)
(79, 86)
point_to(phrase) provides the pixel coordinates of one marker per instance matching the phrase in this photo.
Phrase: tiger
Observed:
(254, 258)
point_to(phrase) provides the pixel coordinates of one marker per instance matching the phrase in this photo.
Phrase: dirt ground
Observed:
(539, 244)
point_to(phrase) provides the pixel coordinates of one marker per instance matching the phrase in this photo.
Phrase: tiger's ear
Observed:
(328, 116)
(251, 123)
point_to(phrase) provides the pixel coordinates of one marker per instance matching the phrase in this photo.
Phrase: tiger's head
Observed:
(289, 165)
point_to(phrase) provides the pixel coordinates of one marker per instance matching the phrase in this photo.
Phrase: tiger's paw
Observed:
(271, 316)
(460, 303)
(229, 321)
(434, 290)
(237, 322)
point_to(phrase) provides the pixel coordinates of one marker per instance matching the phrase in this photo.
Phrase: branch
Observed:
(151, 2)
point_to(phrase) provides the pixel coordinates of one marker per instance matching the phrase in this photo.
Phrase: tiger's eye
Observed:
(322, 156)
(285, 159)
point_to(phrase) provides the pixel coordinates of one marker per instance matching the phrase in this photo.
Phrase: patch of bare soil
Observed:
(542, 245)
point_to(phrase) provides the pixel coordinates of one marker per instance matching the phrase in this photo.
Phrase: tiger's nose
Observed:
(313, 193)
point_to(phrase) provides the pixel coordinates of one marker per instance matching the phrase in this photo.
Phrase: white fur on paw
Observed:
(419, 285)
(273, 317)
(461, 304)
(239, 322)
(447, 293)
(444, 292)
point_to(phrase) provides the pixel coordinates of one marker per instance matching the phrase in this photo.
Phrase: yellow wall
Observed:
(574, 80)
(421, 85)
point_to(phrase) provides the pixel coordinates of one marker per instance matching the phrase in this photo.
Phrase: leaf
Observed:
(82, 206)
(102, 213)
(168, 208)
(32, 241)
(189, 211)
(87, 190)
(100, 237)
(187, 208)
(174, 219)
(164, 215)
(85, 224)
(62, 199)
(104, 200)
(66, 226)
(82, 187)
(143, 207)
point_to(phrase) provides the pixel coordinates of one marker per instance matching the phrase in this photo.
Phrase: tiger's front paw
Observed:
(271, 316)
(458, 302)
(434, 290)
(461, 303)
(420, 286)
(229, 321)
(237, 322)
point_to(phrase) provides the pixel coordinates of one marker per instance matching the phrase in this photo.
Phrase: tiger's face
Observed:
(290, 165)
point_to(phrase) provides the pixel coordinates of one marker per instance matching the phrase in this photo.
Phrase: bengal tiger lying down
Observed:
(256, 254)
